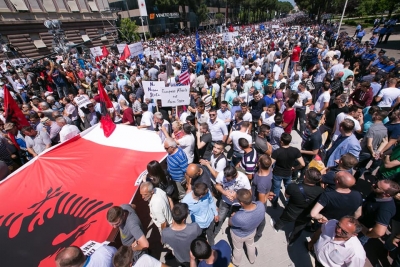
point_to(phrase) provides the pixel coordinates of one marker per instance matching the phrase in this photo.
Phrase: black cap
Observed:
(382, 51)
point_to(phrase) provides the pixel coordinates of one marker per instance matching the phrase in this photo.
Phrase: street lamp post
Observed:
(341, 19)
(59, 40)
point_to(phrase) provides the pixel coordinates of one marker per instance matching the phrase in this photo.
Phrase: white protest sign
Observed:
(153, 89)
(175, 96)
(96, 51)
(235, 33)
(275, 26)
(136, 49)
(227, 37)
(82, 101)
(121, 48)
(155, 54)
(91, 246)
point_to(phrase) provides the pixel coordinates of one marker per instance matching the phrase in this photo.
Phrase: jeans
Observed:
(322, 129)
(236, 158)
(209, 233)
(181, 189)
(260, 230)
(363, 239)
(62, 91)
(237, 250)
(276, 185)
(364, 159)
(300, 119)
(224, 210)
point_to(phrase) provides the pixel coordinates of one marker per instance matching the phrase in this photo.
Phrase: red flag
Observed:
(12, 113)
(126, 54)
(231, 28)
(105, 51)
(106, 122)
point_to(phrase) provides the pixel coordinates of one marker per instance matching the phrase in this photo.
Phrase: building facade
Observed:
(22, 28)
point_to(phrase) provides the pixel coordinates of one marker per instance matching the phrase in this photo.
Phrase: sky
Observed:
(291, 1)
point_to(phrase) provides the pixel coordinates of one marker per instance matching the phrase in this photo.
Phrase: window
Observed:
(93, 6)
(85, 38)
(34, 6)
(49, 5)
(19, 5)
(73, 6)
(37, 41)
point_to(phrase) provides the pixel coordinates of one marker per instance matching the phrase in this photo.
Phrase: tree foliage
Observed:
(128, 30)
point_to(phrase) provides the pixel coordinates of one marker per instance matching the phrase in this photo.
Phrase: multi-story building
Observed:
(21, 24)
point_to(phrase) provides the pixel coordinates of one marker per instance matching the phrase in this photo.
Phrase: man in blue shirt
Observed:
(203, 209)
(210, 256)
(58, 75)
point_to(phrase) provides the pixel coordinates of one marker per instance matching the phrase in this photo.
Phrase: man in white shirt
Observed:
(160, 210)
(67, 131)
(224, 114)
(234, 139)
(336, 244)
(388, 96)
(268, 117)
(187, 142)
(147, 121)
(322, 102)
(355, 114)
(217, 127)
(277, 69)
(337, 68)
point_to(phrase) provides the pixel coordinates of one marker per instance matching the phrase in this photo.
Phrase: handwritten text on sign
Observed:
(175, 96)
(153, 89)
(170, 96)
(136, 49)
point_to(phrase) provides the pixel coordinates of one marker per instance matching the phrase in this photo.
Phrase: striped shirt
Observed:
(177, 164)
(249, 162)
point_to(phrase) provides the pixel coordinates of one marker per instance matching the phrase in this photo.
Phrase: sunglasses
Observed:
(213, 115)
(344, 232)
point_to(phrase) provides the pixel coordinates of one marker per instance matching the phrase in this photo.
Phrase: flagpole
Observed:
(144, 33)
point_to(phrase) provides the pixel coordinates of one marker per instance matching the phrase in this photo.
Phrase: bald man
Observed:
(340, 202)
(196, 173)
(73, 256)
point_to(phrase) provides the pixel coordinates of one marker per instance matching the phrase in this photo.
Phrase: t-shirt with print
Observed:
(131, 230)
(285, 159)
(261, 185)
(240, 182)
(224, 253)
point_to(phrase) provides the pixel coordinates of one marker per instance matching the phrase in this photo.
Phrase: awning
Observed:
(85, 38)
(39, 44)
(49, 6)
(19, 5)
(73, 6)
(93, 6)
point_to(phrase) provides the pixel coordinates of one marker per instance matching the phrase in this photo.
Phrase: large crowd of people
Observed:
(231, 148)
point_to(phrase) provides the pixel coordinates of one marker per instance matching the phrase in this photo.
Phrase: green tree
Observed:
(128, 30)
(201, 13)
